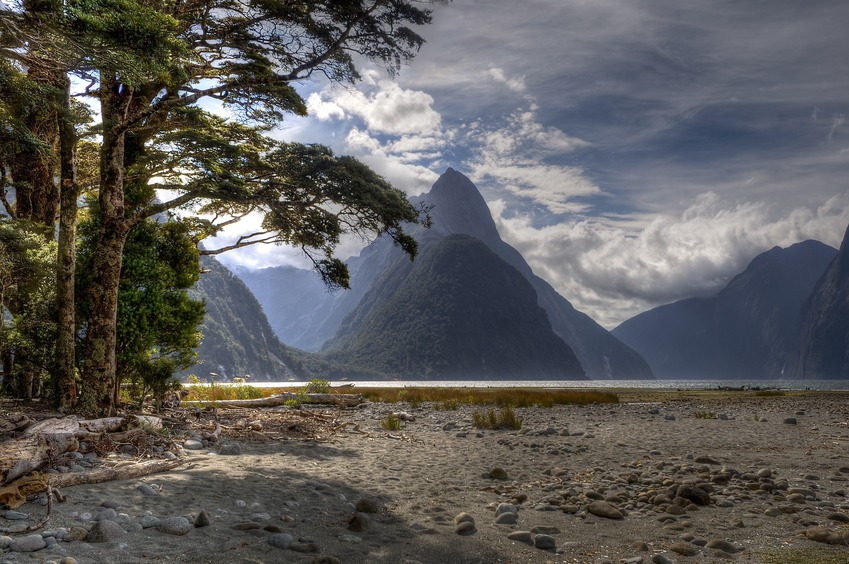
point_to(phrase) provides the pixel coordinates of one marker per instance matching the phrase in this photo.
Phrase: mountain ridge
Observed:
(745, 331)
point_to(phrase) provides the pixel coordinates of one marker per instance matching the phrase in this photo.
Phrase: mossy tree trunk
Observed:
(99, 364)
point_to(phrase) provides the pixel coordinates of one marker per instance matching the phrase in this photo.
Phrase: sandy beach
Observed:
(660, 477)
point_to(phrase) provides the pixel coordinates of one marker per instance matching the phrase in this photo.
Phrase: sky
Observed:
(636, 152)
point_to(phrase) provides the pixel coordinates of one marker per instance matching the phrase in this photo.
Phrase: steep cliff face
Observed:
(237, 339)
(823, 331)
(458, 312)
(746, 331)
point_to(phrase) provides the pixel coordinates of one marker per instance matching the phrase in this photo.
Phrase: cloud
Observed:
(387, 108)
(613, 272)
(521, 155)
(516, 84)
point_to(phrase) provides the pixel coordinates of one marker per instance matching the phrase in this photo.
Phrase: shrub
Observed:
(318, 386)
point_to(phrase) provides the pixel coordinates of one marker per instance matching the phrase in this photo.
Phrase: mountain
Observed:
(746, 331)
(823, 332)
(237, 339)
(458, 208)
(436, 319)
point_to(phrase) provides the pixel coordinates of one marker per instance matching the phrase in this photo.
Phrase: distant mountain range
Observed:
(349, 327)
(469, 307)
(751, 328)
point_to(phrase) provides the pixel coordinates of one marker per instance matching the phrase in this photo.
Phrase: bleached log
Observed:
(121, 472)
(25, 454)
(345, 400)
(53, 426)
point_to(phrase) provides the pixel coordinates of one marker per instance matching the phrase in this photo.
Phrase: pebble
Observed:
(202, 519)
(14, 515)
(146, 490)
(545, 530)
(823, 534)
(507, 519)
(683, 548)
(281, 540)
(521, 536)
(359, 522)
(722, 545)
(498, 474)
(104, 531)
(604, 509)
(662, 559)
(176, 525)
(506, 508)
(545, 542)
(465, 528)
(192, 444)
(29, 543)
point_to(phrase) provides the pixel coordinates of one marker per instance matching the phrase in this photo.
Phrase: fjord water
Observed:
(823, 385)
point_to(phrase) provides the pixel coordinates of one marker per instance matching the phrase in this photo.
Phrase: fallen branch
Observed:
(345, 400)
(125, 472)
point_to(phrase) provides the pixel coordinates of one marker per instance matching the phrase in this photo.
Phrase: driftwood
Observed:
(118, 472)
(344, 400)
(42, 442)
(25, 454)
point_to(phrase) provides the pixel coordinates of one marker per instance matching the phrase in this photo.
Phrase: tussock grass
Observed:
(442, 398)
(211, 392)
(391, 422)
(505, 419)
(770, 393)
(450, 398)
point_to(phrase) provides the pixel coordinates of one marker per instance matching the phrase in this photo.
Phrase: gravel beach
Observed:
(666, 478)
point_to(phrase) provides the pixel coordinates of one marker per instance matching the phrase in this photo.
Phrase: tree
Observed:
(148, 65)
(248, 57)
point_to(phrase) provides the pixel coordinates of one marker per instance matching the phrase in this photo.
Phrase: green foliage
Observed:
(149, 64)
(391, 422)
(704, 415)
(157, 320)
(318, 386)
(27, 266)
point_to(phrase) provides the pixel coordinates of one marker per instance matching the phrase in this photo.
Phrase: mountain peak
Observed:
(458, 207)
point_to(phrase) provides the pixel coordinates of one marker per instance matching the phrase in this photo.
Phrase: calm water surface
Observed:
(838, 385)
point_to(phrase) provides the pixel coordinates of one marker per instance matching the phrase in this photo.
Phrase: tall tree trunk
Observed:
(99, 365)
(65, 372)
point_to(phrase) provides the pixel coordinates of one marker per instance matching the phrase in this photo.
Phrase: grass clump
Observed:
(391, 422)
(770, 393)
(212, 392)
(505, 419)
(705, 415)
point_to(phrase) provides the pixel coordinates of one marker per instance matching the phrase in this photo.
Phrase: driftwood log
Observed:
(344, 400)
(42, 442)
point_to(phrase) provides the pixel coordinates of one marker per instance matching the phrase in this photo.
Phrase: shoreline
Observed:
(589, 484)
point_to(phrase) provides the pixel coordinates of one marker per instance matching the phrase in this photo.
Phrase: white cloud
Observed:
(517, 155)
(386, 108)
(516, 84)
(612, 273)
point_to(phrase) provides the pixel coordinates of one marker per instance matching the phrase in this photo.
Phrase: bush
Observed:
(318, 386)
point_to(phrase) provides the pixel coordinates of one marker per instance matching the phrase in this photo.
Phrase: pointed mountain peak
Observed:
(458, 207)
